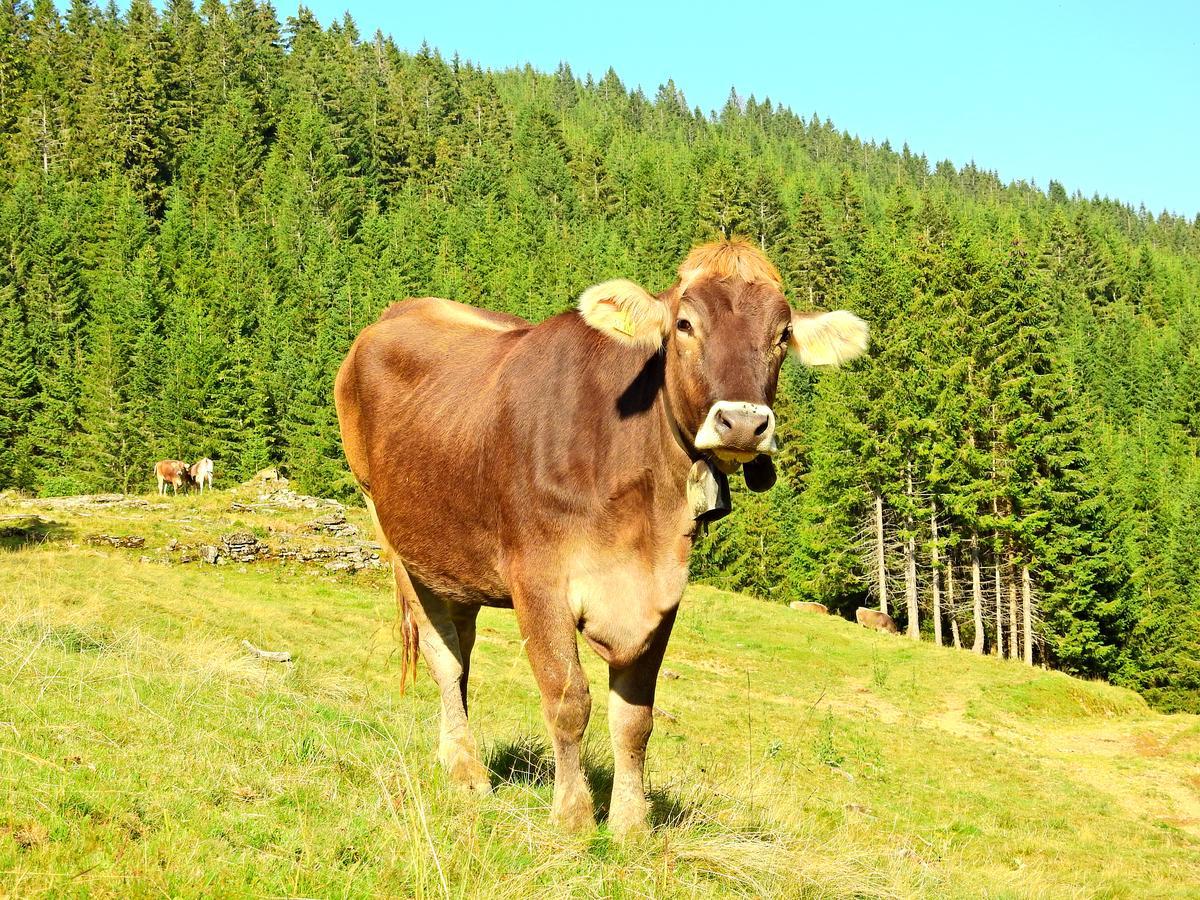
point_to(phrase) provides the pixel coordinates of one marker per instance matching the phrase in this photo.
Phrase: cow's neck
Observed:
(677, 455)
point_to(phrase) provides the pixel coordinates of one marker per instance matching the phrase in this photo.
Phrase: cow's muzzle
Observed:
(737, 431)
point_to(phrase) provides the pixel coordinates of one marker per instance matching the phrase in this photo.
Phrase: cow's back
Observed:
(415, 400)
(808, 606)
(873, 618)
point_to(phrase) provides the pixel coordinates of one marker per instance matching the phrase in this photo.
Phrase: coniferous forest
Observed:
(200, 208)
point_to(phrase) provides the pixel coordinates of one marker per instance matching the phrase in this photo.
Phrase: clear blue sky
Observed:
(1102, 96)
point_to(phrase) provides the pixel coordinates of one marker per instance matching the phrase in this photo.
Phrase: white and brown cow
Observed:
(546, 468)
(200, 472)
(173, 472)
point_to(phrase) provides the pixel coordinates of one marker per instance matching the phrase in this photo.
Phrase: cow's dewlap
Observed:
(828, 339)
(626, 312)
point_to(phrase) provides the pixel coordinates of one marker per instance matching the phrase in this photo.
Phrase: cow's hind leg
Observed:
(464, 623)
(630, 721)
(442, 652)
(549, 635)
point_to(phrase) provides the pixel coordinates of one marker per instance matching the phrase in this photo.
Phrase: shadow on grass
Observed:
(19, 532)
(529, 761)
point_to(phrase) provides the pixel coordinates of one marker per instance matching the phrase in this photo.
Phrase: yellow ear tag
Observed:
(625, 323)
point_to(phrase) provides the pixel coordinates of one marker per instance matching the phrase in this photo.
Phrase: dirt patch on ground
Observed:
(865, 702)
(1158, 785)
(1149, 745)
(953, 719)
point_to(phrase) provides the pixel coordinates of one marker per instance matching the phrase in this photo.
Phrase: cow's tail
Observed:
(410, 635)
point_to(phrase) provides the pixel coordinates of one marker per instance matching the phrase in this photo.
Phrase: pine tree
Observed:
(18, 388)
(812, 265)
(725, 208)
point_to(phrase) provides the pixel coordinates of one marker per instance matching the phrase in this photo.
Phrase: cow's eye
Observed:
(786, 336)
(684, 326)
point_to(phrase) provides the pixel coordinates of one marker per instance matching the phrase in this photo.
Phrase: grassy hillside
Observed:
(143, 752)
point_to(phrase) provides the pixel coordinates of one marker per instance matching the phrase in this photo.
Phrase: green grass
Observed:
(144, 753)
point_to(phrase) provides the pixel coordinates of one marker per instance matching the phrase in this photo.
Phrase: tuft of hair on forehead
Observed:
(733, 258)
(626, 312)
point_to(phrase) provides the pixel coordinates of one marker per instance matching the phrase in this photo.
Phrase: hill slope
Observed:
(147, 753)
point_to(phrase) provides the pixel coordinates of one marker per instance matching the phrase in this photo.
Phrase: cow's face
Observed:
(724, 350)
(725, 328)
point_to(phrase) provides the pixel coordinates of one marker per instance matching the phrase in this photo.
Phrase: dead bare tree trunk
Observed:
(880, 554)
(1014, 647)
(1027, 609)
(910, 570)
(997, 550)
(976, 594)
(999, 602)
(951, 609)
(935, 578)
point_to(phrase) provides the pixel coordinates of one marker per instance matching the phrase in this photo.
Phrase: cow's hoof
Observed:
(572, 811)
(627, 820)
(464, 768)
(471, 775)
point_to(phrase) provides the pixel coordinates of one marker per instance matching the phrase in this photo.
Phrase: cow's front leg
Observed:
(548, 631)
(630, 721)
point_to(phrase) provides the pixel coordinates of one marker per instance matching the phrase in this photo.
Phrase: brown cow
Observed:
(546, 468)
(172, 472)
(803, 606)
(873, 618)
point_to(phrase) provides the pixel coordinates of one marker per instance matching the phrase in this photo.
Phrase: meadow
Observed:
(144, 752)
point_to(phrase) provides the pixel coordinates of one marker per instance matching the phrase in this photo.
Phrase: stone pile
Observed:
(240, 547)
(128, 542)
(286, 498)
(334, 523)
(353, 558)
(243, 547)
(273, 490)
(82, 501)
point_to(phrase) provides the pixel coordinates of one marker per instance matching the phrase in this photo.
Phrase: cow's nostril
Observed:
(761, 429)
(723, 422)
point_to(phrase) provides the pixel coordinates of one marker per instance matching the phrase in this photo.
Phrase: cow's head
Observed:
(725, 328)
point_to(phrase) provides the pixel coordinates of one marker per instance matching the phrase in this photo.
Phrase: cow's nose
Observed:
(741, 427)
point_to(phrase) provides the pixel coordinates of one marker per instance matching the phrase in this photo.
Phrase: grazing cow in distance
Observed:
(873, 618)
(200, 472)
(804, 606)
(172, 472)
(550, 468)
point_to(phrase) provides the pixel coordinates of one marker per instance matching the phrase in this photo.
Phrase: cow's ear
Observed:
(626, 312)
(828, 338)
